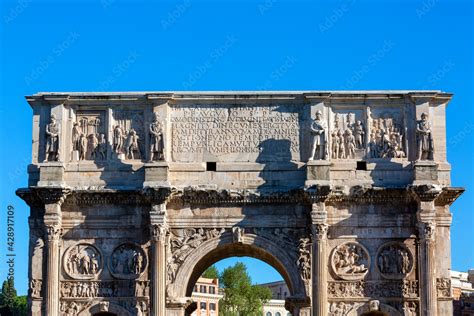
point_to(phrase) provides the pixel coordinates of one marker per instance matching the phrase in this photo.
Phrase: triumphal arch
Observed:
(134, 195)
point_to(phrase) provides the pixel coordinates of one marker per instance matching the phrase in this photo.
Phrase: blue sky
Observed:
(119, 45)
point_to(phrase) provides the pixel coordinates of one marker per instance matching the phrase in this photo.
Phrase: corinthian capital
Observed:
(53, 232)
(159, 232)
(319, 231)
(426, 230)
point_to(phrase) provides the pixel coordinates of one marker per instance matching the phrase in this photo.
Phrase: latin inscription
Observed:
(233, 130)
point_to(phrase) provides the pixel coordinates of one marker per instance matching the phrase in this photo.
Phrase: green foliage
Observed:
(8, 294)
(240, 296)
(10, 303)
(211, 273)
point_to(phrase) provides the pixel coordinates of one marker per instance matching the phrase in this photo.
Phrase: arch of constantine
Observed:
(134, 195)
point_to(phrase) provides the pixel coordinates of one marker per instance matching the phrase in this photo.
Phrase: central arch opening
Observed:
(239, 285)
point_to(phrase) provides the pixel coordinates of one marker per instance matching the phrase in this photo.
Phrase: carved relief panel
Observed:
(128, 132)
(348, 134)
(89, 136)
(387, 134)
(82, 261)
(128, 261)
(394, 260)
(350, 261)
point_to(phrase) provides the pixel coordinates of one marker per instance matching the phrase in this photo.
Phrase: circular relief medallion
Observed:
(127, 261)
(394, 260)
(82, 261)
(350, 261)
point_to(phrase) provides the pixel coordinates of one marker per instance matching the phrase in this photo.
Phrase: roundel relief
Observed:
(350, 261)
(82, 261)
(394, 260)
(128, 261)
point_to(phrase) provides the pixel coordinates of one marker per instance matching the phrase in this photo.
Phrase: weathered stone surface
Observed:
(134, 195)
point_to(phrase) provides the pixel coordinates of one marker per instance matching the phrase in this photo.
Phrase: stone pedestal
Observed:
(317, 172)
(156, 174)
(425, 172)
(51, 174)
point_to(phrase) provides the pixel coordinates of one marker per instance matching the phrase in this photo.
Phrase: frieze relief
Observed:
(357, 289)
(115, 288)
(348, 135)
(350, 261)
(443, 287)
(138, 307)
(387, 134)
(88, 136)
(394, 260)
(82, 261)
(128, 261)
(183, 241)
(304, 258)
(129, 134)
(35, 288)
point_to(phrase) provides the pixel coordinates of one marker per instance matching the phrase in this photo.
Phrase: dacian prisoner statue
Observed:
(319, 135)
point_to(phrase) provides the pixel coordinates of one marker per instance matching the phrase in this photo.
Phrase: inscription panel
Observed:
(235, 133)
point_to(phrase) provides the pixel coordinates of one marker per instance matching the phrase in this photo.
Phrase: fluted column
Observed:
(426, 224)
(53, 236)
(428, 293)
(319, 276)
(159, 231)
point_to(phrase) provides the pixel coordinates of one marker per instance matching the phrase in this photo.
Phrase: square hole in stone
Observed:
(210, 166)
(362, 165)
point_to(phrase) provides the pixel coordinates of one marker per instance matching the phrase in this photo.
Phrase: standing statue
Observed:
(76, 133)
(156, 140)
(319, 132)
(118, 139)
(132, 145)
(359, 134)
(52, 140)
(82, 147)
(424, 138)
(102, 147)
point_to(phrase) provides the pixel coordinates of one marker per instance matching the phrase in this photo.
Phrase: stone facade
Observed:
(134, 195)
(206, 296)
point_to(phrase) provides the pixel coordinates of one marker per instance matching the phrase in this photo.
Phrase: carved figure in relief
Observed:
(76, 133)
(35, 286)
(102, 148)
(339, 309)
(72, 309)
(335, 145)
(319, 142)
(424, 138)
(131, 146)
(118, 139)
(394, 261)
(350, 261)
(386, 139)
(304, 261)
(92, 145)
(82, 147)
(82, 261)
(156, 139)
(127, 261)
(52, 140)
(350, 144)
(238, 234)
(342, 146)
(359, 134)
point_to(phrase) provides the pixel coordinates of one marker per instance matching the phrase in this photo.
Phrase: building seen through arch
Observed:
(346, 194)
